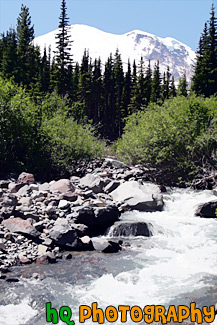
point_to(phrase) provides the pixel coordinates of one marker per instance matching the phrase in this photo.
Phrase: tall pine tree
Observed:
(25, 36)
(204, 81)
(63, 55)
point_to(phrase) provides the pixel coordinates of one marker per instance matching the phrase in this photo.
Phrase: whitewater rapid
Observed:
(177, 265)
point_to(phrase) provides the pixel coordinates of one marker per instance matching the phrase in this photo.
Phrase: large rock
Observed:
(93, 182)
(207, 210)
(63, 186)
(26, 178)
(114, 163)
(135, 196)
(104, 245)
(7, 204)
(97, 219)
(111, 186)
(63, 235)
(21, 226)
(130, 228)
(14, 187)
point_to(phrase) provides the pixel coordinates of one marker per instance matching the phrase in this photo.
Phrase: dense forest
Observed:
(55, 112)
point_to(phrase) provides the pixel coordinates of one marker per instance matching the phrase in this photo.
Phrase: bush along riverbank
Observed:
(40, 221)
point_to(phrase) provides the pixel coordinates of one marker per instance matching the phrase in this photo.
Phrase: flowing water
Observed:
(177, 265)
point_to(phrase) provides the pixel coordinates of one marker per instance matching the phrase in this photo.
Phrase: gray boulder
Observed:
(24, 191)
(114, 163)
(104, 245)
(8, 203)
(63, 235)
(136, 196)
(97, 219)
(44, 187)
(111, 186)
(93, 182)
(130, 228)
(63, 186)
(14, 187)
(207, 210)
(4, 184)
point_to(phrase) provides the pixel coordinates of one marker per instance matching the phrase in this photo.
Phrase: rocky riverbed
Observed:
(41, 221)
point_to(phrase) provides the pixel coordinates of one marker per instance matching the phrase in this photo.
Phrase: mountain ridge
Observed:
(131, 45)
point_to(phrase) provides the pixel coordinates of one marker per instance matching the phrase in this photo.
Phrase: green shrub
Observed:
(182, 130)
(67, 142)
(19, 121)
(42, 137)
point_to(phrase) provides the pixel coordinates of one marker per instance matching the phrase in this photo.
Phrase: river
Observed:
(177, 265)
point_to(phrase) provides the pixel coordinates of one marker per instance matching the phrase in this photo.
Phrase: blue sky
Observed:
(181, 19)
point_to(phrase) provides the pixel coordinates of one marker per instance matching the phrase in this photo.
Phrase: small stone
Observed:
(68, 256)
(7, 235)
(56, 249)
(26, 201)
(34, 187)
(42, 249)
(12, 280)
(2, 277)
(47, 242)
(24, 260)
(35, 276)
(46, 232)
(2, 247)
(63, 204)
(46, 259)
(85, 240)
(4, 183)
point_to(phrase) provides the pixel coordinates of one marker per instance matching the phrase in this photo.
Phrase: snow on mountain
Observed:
(131, 45)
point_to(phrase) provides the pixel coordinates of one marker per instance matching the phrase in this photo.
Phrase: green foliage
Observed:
(182, 131)
(18, 124)
(204, 81)
(42, 138)
(66, 142)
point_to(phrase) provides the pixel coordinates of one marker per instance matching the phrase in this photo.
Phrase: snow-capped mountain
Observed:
(131, 45)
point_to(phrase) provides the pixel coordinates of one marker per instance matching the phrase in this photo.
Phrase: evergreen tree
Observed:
(97, 90)
(148, 84)
(25, 35)
(118, 84)
(138, 98)
(63, 56)
(166, 84)
(172, 90)
(109, 100)
(84, 85)
(45, 72)
(127, 91)
(8, 62)
(156, 84)
(75, 82)
(183, 86)
(201, 75)
(204, 81)
(131, 107)
(213, 53)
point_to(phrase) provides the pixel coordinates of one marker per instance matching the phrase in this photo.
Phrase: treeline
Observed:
(106, 95)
